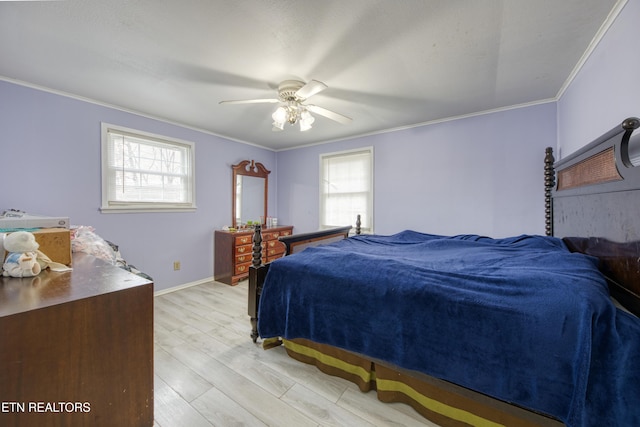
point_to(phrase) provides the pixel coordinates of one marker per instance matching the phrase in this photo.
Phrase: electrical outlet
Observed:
(176, 265)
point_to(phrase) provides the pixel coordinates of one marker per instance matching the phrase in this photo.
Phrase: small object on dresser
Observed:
(16, 219)
(22, 259)
(55, 243)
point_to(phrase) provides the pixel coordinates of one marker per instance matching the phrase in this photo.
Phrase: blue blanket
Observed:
(521, 319)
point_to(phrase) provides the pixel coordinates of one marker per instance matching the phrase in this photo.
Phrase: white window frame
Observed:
(367, 216)
(111, 204)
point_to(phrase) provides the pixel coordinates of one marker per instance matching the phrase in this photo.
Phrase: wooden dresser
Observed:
(232, 251)
(76, 348)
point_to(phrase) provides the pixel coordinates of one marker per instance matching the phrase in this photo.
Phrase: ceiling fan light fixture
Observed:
(306, 120)
(292, 95)
(304, 126)
(280, 115)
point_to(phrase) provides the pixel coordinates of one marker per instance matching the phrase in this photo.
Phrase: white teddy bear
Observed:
(22, 259)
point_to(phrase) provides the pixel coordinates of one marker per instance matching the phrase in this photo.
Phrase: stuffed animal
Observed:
(22, 259)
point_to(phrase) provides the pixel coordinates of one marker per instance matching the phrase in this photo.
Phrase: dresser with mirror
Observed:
(232, 248)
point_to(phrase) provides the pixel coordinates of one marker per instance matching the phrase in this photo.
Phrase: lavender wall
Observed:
(607, 89)
(51, 166)
(482, 175)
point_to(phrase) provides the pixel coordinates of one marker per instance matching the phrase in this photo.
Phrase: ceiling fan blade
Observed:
(252, 101)
(310, 89)
(329, 114)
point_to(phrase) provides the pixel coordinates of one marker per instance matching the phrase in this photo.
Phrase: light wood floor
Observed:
(208, 372)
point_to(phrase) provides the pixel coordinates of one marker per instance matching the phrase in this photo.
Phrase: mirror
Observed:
(250, 185)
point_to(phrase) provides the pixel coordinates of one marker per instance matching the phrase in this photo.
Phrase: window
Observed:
(346, 189)
(142, 172)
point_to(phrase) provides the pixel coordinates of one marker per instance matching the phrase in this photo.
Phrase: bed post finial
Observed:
(257, 246)
(549, 184)
(358, 224)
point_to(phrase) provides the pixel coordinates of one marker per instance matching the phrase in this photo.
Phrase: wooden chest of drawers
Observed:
(232, 252)
(76, 348)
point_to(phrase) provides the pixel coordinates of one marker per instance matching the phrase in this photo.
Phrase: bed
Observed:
(470, 330)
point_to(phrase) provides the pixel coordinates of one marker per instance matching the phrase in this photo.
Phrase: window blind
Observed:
(143, 171)
(346, 188)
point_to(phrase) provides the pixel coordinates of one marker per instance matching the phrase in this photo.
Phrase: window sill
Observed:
(111, 209)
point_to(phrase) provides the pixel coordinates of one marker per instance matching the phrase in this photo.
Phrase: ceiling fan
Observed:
(291, 96)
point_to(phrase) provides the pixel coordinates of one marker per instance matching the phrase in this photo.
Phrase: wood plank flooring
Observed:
(208, 372)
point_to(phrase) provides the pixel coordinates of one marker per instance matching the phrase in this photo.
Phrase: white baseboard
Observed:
(183, 286)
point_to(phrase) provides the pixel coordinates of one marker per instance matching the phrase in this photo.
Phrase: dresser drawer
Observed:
(273, 254)
(244, 239)
(244, 258)
(244, 250)
(286, 232)
(270, 235)
(277, 250)
(242, 268)
(274, 244)
(273, 235)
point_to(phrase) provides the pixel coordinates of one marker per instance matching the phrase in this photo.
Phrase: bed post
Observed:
(358, 224)
(549, 183)
(257, 246)
(257, 273)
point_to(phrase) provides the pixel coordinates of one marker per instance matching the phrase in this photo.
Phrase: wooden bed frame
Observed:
(293, 244)
(593, 205)
(592, 199)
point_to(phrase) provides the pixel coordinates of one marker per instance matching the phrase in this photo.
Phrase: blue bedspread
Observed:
(521, 319)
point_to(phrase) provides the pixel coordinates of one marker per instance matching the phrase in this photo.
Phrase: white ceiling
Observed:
(388, 64)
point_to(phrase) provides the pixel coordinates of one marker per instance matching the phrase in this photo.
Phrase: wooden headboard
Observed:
(299, 242)
(593, 204)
